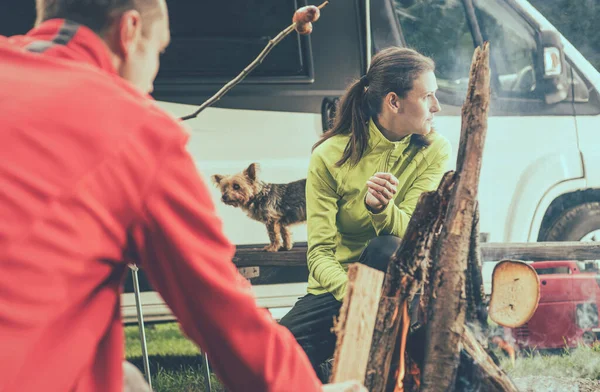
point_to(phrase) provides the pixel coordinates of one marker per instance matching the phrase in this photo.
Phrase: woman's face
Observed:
(414, 113)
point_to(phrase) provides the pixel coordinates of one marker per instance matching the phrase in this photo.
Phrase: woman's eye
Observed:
(236, 187)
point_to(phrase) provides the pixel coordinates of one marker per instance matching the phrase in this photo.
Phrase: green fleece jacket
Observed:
(338, 222)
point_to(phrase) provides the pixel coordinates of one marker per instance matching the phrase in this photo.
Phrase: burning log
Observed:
(404, 277)
(478, 370)
(447, 312)
(476, 310)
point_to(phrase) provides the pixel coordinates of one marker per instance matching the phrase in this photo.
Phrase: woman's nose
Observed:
(436, 107)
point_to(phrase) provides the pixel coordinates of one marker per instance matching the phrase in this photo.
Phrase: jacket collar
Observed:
(379, 143)
(67, 39)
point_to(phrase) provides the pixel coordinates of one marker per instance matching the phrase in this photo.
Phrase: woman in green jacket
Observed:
(364, 179)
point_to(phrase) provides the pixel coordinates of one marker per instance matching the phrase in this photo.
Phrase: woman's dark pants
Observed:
(311, 318)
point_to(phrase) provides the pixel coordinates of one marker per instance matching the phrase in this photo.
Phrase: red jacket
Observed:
(94, 175)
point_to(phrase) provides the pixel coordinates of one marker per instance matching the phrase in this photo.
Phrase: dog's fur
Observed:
(276, 205)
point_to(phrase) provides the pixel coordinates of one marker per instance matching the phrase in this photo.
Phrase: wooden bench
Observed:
(254, 256)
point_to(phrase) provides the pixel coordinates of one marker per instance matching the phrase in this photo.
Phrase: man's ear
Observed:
(251, 171)
(129, 32)
(216, 178)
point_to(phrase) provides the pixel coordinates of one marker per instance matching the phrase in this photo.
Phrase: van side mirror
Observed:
(554, 83)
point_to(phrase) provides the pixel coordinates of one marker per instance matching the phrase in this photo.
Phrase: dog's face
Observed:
(238, 189)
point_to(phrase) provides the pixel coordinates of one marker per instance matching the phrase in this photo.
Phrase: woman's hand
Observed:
(348, 386)
(381, 189)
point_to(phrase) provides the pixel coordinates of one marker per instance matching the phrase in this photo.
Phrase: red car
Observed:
(568, 310)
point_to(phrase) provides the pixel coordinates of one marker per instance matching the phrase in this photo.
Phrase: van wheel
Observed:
(580, 223)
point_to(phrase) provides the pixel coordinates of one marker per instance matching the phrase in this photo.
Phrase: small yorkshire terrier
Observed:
(276, 205)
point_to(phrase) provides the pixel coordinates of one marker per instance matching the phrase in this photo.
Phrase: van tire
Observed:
(574, 223)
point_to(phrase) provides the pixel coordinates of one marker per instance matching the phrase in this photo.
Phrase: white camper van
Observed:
(538, 181)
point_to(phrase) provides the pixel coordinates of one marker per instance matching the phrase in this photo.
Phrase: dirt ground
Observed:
(555, 384)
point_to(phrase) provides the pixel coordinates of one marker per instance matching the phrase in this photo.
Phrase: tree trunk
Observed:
(446, 319)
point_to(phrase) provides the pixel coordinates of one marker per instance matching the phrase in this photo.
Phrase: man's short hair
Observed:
(98, 15)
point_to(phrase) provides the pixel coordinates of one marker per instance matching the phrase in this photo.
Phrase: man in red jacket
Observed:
(94, 175)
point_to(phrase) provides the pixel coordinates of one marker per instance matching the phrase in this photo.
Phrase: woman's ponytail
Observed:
(351, 117)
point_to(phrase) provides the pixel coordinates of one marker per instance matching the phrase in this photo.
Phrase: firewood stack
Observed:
(443, 346)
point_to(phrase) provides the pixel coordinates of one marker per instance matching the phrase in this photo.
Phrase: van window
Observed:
(512, 47)
(439, 29)
(219, 41)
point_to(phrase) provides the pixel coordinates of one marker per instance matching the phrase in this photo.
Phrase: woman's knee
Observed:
(380, 250)
(387, 243)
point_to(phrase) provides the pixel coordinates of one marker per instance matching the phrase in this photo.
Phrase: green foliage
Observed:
(577, 21)
(439, 28)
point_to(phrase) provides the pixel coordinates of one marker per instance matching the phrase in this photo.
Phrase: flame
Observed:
(415, 372)
(403, 334)
(506, 347)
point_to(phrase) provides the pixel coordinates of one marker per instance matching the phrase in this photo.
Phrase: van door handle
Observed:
(328, 109)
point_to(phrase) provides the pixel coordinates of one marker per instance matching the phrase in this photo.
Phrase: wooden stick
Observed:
(354, 328)
(258, 60)
(448, 306)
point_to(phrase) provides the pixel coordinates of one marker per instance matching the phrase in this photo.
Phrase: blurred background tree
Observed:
(577, 21)
(438, 28)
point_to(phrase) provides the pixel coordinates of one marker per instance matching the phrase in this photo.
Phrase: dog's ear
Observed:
(216, 178)
(251, 171)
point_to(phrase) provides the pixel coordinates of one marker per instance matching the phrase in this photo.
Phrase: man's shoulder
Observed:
(123, 104)
(134, 113)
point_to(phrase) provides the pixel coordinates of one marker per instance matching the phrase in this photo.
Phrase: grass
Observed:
(186, 379)
(176, 363)
(162, 339)
(581, 362)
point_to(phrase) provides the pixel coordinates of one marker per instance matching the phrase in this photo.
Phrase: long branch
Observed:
(258, 60)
